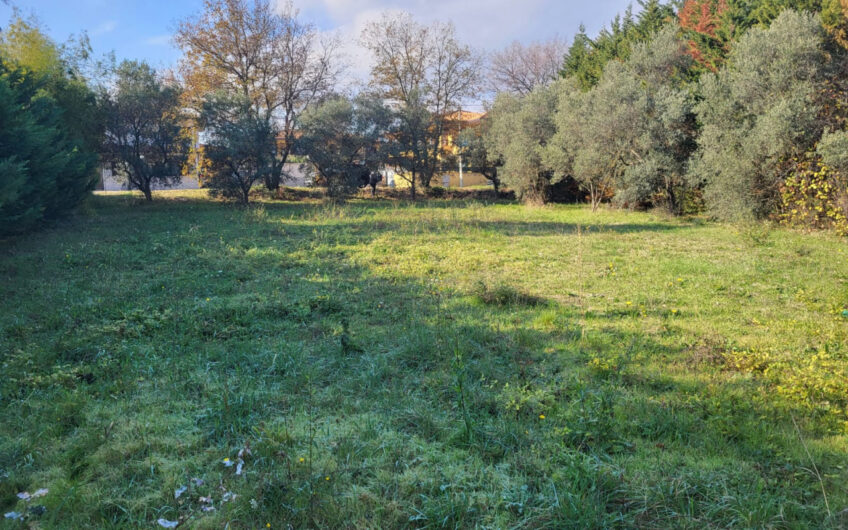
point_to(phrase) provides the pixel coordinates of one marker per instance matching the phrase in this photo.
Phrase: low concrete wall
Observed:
(297, 178)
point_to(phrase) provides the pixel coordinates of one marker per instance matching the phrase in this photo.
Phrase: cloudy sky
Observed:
(141, 29)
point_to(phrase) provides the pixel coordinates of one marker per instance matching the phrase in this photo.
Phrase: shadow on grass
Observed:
(211, 329)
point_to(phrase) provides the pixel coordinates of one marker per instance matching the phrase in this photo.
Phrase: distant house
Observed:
(454, 124)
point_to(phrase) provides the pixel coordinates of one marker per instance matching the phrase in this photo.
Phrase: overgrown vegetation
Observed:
(709, 104)
(49, 129)
(449, 364)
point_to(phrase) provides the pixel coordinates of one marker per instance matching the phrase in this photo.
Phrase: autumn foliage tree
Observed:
(267, 58)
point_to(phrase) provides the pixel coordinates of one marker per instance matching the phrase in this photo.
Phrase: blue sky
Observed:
(142, 29)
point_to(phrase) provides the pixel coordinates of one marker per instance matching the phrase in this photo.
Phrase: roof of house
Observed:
(465, 116)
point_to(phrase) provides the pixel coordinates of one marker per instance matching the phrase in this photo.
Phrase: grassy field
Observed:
(435, 365)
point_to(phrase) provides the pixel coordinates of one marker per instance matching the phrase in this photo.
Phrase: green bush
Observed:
(503, 295)
(46, 171)
(438, 192)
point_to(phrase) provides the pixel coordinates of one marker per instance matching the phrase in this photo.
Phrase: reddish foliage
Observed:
(702, 20)
(702, 16)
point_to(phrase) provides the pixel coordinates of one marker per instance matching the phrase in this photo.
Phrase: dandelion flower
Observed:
(541, 416)
(302, 459)
(327, 478)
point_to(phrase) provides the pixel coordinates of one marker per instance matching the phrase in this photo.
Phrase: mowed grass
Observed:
(435, 365)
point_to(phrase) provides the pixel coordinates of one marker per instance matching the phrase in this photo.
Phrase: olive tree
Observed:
(756, 112)
(342, 139)
(633, 132)
(833, 150)
(476, 156)
(239, 146)
(660, 131)
(144, 141)
(521, 127)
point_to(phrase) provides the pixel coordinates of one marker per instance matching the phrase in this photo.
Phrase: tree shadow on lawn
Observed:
(376, 364)
(412, 339)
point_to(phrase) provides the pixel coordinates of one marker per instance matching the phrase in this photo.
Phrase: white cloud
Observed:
(106, 27)
(158, 40)
(483, 24)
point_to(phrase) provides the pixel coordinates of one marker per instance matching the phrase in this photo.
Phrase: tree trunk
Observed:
(272, 182)
(493, 178)
(273, 179)
(412, 188)
(147, 193)
(594, 198)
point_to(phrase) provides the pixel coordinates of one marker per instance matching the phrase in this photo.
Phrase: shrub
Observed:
(503, 295)
(758, 112)
(45, 171)
(814, 197)
(438, 192)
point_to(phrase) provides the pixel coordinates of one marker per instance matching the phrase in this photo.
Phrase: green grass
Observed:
(439, 365)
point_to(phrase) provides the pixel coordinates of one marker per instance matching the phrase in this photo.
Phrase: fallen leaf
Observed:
(239, 466)
(229, 496)
(13, 515)
(24, 495)
(164, 523)
(179, 491)
(197, 481)
(39, 493)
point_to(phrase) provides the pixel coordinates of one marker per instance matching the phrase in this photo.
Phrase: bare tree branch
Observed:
(519, 68)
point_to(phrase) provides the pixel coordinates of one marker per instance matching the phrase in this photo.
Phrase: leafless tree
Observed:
(519, 68)
(424, 73)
